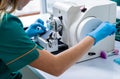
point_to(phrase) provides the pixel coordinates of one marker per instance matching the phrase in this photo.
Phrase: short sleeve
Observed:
(16, 48)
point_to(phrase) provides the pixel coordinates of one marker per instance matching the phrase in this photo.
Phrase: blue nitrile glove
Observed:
(35, 29)
(39, 21)
(102, 31)
(117, 60)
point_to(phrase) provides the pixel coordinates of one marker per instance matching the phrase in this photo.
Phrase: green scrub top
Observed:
(16, 48)
(117, 1)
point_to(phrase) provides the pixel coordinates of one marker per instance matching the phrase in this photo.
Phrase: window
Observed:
(33, 7)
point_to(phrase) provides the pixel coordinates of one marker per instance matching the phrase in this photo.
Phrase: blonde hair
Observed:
(7, 6)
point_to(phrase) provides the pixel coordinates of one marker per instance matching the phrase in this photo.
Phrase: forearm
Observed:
(57, 64)
(70, 56)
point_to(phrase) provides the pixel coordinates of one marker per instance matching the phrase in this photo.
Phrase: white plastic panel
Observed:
(87, 26)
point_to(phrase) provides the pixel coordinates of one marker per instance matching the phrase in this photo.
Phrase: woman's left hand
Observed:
(36, 28)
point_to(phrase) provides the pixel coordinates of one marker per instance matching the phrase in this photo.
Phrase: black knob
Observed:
(91, 53)
(83, 8)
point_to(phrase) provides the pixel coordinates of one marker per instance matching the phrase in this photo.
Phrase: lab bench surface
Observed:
(97, 68)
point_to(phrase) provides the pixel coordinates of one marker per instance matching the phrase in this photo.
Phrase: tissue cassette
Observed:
(82, 17)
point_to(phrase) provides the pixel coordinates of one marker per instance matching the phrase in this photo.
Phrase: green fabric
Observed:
(16, 48)
(4, 70)
(117, 36)
(3, 67)
(15, 75)
(117, 1)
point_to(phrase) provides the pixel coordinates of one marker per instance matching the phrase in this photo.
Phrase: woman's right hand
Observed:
(103, 30)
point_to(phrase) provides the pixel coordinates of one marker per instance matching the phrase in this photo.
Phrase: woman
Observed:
(17, 50)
